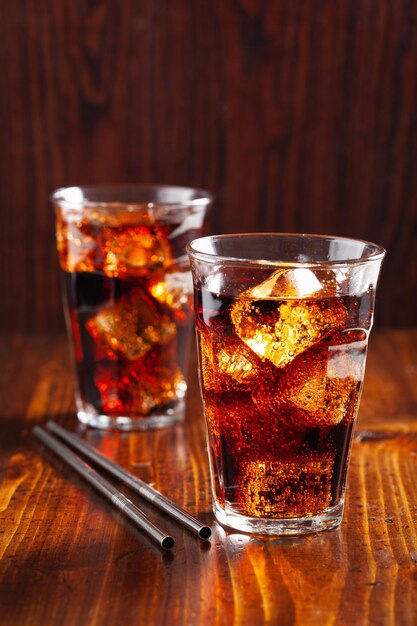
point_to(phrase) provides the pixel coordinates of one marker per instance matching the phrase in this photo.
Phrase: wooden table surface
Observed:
(68, 558)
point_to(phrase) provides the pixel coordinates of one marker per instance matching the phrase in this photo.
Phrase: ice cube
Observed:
(287, 283)
(180, 228)
(212, 377)
(303, 385)
(293, 487)
(79, 244)
(282, 332)
(306, 395)
(149, 388)
(122, 242)
(174, 288)
(139, 389)
(347, 360)
(226, 362)
(234, 358)
(299, 282)
(342, 400)
(132, 326)
(134, 250)
(345, 371)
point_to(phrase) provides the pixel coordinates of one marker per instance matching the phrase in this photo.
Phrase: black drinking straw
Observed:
(138, 485)
(103, 486)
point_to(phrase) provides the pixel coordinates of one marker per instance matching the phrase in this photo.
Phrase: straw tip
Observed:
(205, 532)
(168, 542)
(37, 431)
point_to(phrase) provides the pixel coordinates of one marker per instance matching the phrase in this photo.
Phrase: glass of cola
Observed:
(283, 322)
(128, 299)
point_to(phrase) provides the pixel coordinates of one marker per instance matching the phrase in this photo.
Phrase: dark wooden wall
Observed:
(300, 115)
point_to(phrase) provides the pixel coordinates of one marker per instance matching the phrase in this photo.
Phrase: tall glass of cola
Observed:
(283, 323)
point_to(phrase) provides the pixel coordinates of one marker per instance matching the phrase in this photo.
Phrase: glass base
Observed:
(330, 518)
(89, 416)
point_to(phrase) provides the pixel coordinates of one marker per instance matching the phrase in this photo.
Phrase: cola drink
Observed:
(280, 421)
(282, 322)
(128, 292)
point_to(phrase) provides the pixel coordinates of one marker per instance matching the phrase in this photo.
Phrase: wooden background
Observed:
(299, 115)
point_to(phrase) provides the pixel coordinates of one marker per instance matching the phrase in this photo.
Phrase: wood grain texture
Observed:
(68, 559)
(299, 116)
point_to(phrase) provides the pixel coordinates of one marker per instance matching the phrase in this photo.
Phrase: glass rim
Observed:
(62, 197)
(376, 252)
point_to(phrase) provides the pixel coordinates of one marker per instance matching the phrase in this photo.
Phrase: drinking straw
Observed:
(138, 485)
(103, 486)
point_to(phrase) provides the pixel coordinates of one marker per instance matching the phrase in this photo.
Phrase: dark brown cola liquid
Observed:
(129, 294)
(117, 373)
(281, 382)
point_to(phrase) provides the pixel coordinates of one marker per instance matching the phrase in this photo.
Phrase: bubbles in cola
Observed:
(287, 487)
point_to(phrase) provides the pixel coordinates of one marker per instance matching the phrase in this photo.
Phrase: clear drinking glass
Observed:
(128, 299)
(282, 324)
